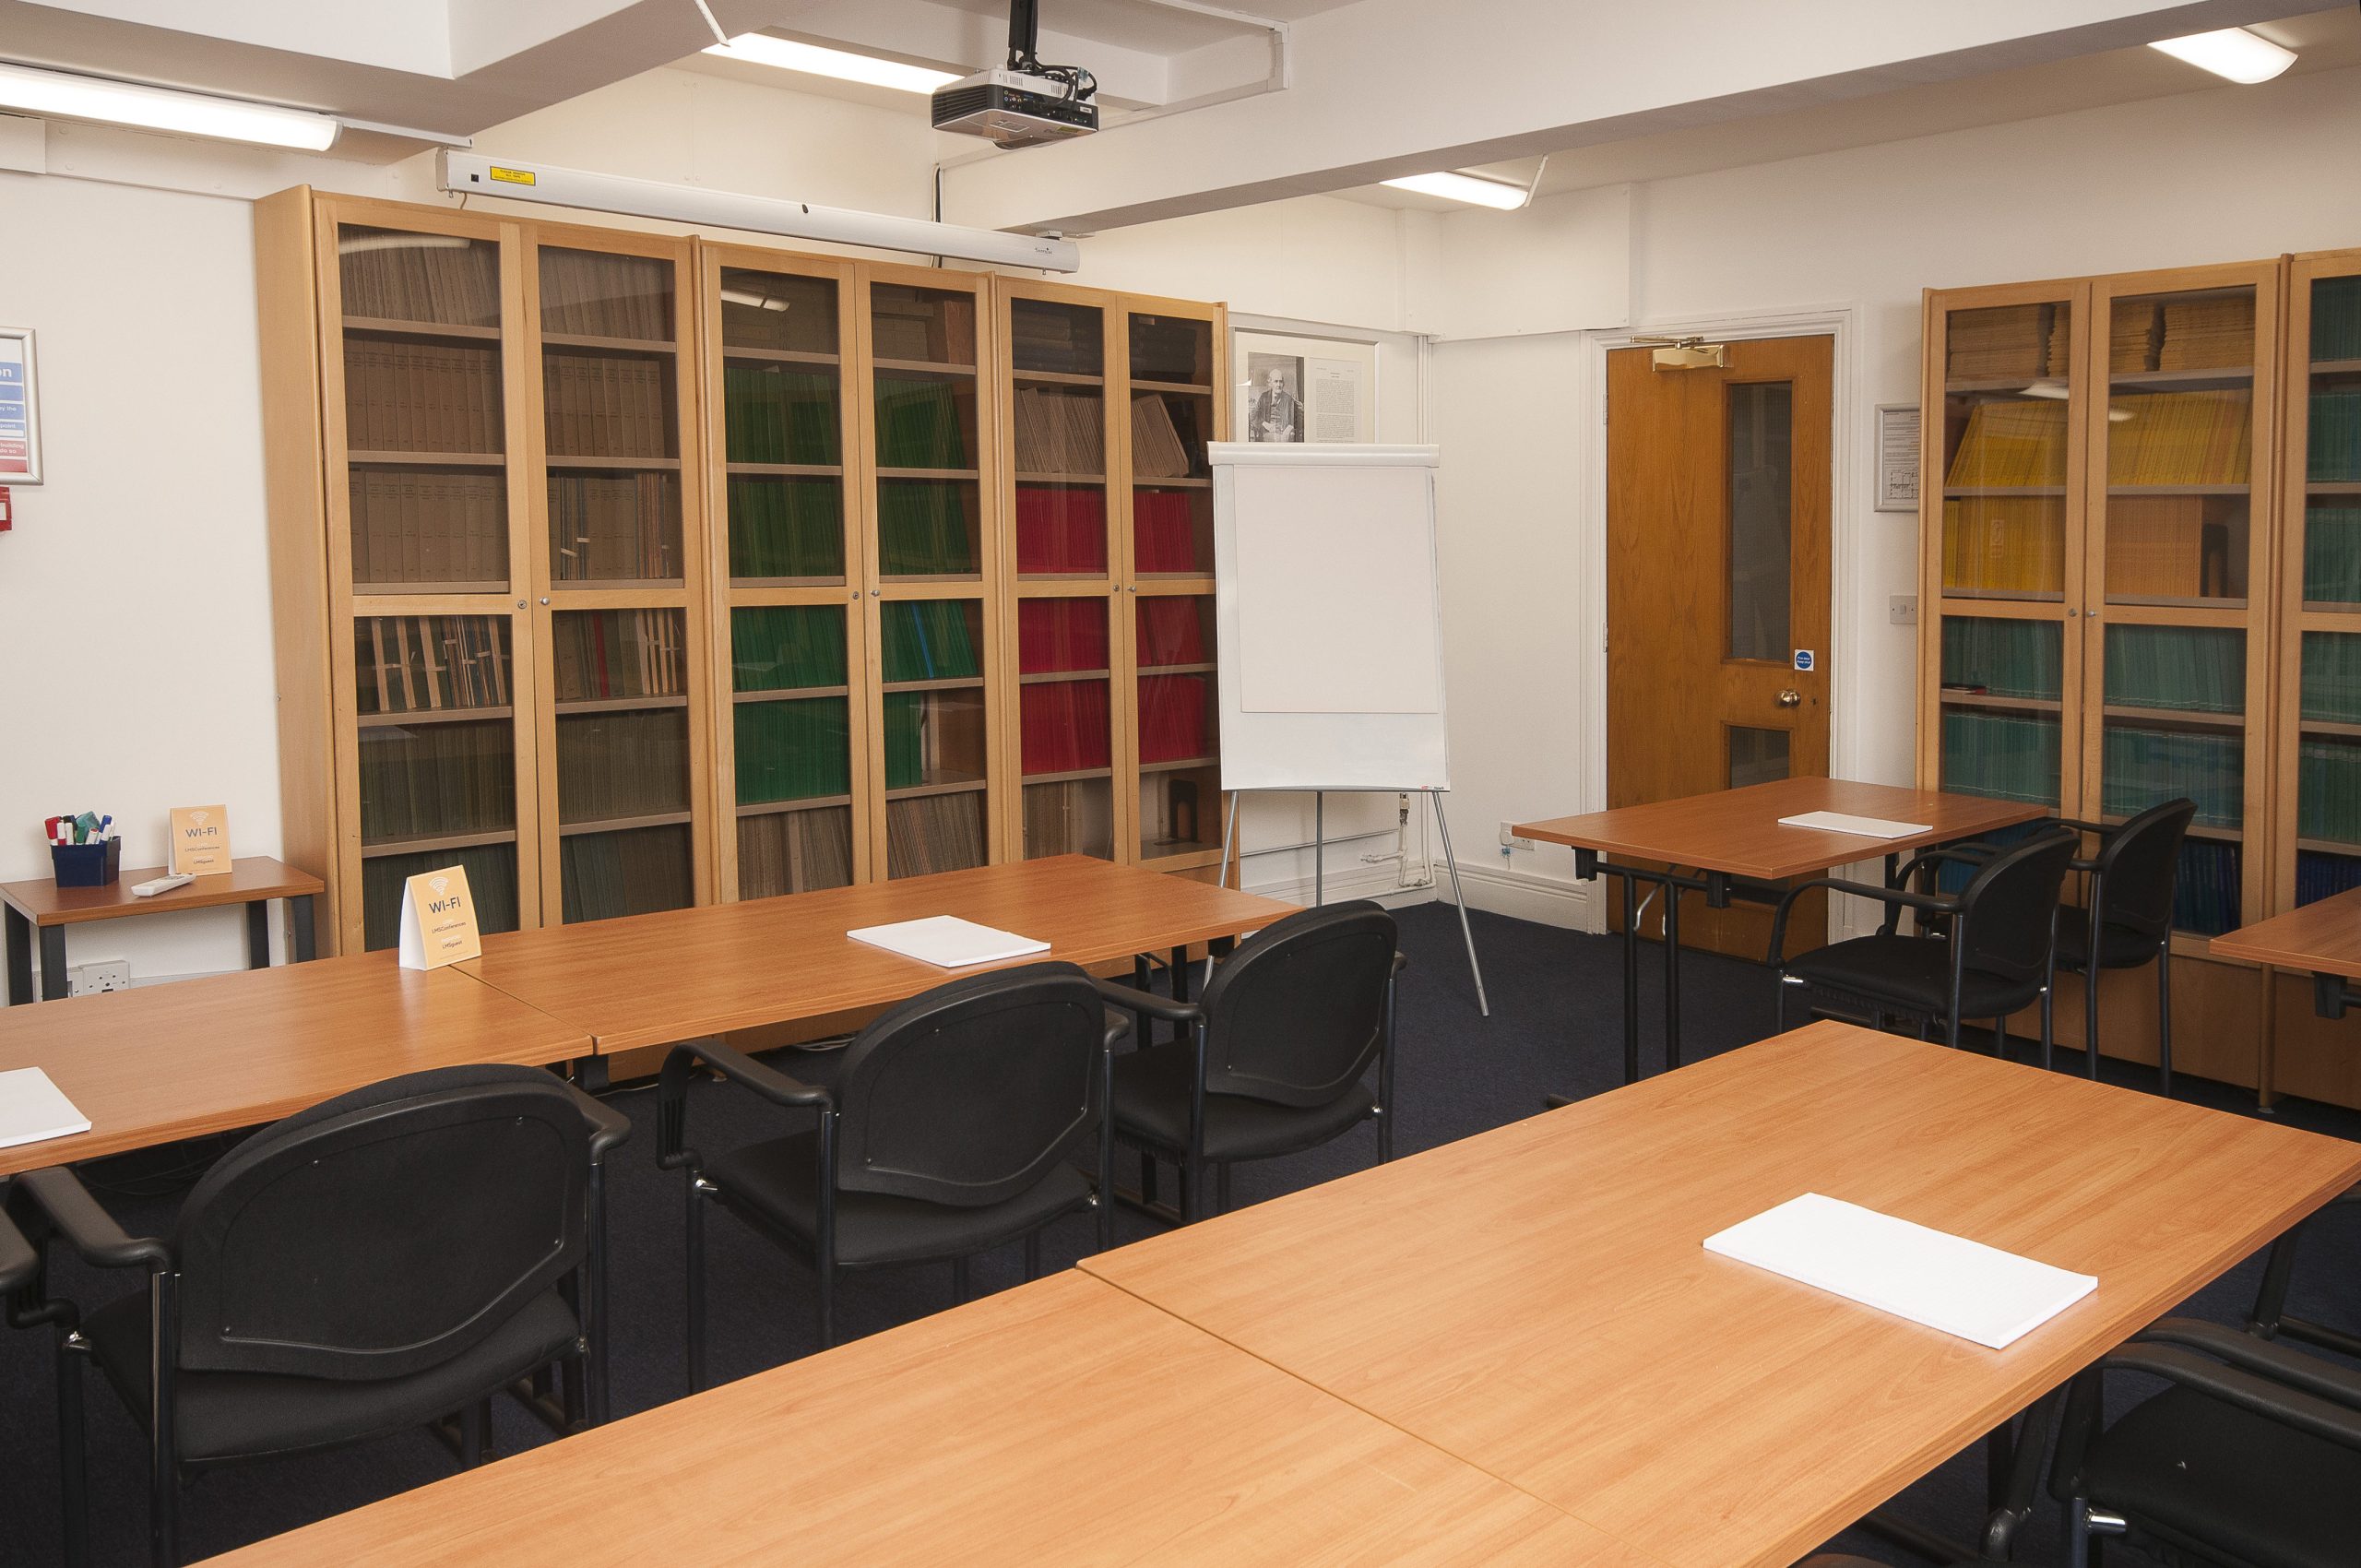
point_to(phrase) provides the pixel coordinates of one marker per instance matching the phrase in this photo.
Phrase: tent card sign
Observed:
(439, 919)
(200, 840)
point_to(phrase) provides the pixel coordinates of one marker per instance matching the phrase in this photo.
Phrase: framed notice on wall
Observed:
(19, 409)
(1310, 389)
(1897, 458)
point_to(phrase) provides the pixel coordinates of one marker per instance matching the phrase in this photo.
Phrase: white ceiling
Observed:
(459, 67)
(2323, 39)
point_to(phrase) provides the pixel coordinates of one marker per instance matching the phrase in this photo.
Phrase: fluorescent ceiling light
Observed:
(762, 49)
(751, 300)
(161, 109)
(1465, 187)
(2234, 53)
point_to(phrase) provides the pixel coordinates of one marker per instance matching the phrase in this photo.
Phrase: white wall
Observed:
(2229, 175)
(135, 598)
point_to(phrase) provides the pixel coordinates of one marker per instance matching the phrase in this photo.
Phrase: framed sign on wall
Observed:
(1309, 389)
(20, 408)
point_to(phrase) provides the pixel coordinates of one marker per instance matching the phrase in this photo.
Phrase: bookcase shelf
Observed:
(2224, 376)
(659, 570)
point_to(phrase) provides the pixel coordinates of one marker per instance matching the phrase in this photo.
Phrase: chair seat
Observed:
(774, 1186)
(2203, 1481)
(1152, 1106)
(1911, 973)
(2118, 948)
(248, 1415)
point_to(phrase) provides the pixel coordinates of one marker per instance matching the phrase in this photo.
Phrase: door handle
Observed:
(1790, 697)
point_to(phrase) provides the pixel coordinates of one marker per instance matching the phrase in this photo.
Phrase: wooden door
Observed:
(1717, 588)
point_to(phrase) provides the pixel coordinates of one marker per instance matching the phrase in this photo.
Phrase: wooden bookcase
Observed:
(630, 571)
(2100, 542)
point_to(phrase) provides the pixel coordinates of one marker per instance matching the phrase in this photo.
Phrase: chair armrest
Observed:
(1133, 1001)
(2254, 1392)
(2101, 828)
(18, 1262)
(2323, 1379)
(608, 1126)
(1939, 903)
(90, 1230)
(1118, 1024)
(673, 1093)
(1401, 962)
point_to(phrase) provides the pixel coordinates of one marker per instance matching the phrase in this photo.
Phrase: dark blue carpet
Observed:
(1555, 1028)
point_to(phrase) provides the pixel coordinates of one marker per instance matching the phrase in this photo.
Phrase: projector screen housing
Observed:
(551, 185)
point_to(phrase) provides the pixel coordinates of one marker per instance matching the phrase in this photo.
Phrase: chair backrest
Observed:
(2138, 868)
(386, 1231)
(1298, 1013)
(2008, 919)
(972, 1092)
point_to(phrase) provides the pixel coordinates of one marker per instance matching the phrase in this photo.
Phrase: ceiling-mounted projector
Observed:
(1024, 102)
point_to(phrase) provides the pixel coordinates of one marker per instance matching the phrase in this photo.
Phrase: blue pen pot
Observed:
(87, 865)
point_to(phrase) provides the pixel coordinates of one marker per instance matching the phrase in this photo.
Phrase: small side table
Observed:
(41, 904)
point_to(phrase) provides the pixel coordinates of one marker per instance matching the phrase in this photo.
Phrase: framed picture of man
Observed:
(1300, 389)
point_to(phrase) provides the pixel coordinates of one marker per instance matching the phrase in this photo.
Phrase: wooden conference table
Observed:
(158, 1064)
(164, 1062)
(2324, 938)
(1059, 1422)
(1536, 1301)
(655, 979)
(1734, 841)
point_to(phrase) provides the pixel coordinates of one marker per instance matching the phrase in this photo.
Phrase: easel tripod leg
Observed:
(1442, 829)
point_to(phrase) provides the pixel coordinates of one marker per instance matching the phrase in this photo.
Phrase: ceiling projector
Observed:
(1024, 102)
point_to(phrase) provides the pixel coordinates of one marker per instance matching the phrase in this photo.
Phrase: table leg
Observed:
(20, 956)
(1671, 975)
(258, 934)
(303, 939)
(589, 1072)
(1630, 977)
(1180, 974)
(55, 981)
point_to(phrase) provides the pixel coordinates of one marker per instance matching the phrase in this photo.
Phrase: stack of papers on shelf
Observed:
(31, 1108)
(1866, 826)
(1943, 1281)
(948, 942)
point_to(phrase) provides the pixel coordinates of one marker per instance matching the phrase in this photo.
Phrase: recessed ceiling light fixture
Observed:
(762, 49)
(2234, 53)
(1465, 187)
(162, 109)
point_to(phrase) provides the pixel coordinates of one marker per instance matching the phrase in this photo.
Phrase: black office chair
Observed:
(1270, 1061)
(384, 1260)
(2251, 1458)
(950, 1130)
(1989, 956)
(2132, 881)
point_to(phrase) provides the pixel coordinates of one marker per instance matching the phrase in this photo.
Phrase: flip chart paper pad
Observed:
(948, 942)
(1336, 601)
(32, 1109)
(1943, 1281)
(1866, 826)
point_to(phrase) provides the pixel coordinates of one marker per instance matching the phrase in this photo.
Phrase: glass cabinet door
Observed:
(2178, 544)
(2000, 465)
(2321, 692)
(789, 743)
(1060, 439)
(622, 632)
(933, 610)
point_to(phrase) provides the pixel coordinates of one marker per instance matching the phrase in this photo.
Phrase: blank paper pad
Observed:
(1943, 1281)
(1866, 826)
(32, 1109)
(948, 942)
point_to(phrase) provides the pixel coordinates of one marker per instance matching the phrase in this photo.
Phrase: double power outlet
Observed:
(89, 980)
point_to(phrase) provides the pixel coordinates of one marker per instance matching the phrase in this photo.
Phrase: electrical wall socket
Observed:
(1508, 840)
(86, 980)
(1903, 610)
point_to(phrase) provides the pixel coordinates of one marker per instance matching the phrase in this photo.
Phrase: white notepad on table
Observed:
(948, 942)
(1930, 1276)
(1866, 826)
(32, 1109)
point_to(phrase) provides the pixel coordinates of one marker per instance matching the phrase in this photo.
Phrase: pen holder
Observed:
(87, 865)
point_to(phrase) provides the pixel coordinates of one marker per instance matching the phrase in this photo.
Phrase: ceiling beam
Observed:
(1386, 88)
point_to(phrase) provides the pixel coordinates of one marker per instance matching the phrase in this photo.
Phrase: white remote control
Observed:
(161, 884)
